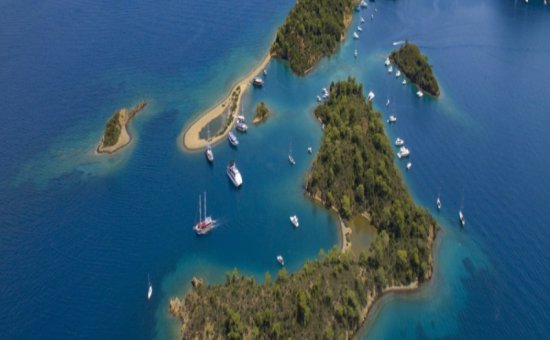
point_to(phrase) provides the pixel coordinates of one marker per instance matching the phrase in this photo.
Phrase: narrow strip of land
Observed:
(190, 135)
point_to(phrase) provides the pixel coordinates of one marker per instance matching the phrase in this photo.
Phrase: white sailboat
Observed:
(206, 223)
(290, 158)
(281, 260)
(150, 289)
(438, 202)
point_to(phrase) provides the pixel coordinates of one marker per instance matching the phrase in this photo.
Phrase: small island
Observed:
(415, 66)
(261, 113)
(312, 30)
(116, 134)
(330, 297)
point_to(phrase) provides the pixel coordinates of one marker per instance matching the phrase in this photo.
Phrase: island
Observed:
(261, 113)
(312, 30)
(330, 297)
(415, 66)
(116, 135)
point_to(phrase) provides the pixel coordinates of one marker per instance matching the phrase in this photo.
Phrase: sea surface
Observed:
(80, 232)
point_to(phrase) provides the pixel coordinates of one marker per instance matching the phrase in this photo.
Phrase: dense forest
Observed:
(112, 130)
(416, 67)
(328, 297)
(312, 30)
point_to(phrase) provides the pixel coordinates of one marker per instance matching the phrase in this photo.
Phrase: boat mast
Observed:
(200, 210)
(205, 205)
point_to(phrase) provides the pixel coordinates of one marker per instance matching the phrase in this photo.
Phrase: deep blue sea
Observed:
(80, 232)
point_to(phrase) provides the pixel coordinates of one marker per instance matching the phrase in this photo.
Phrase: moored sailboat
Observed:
(206, 223)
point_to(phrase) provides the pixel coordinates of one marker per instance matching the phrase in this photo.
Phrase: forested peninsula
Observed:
(331, 296)
(312, 30)
(116, 134)
(410, 61)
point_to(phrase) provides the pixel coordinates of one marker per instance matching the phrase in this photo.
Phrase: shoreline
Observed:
(189, 136)
(124, 138)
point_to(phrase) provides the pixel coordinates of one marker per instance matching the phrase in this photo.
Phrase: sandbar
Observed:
(190, 134)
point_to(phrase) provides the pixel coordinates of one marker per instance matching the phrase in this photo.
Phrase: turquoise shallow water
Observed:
(80, 232)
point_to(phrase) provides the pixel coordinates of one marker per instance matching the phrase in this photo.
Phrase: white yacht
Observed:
(399, 142)
(404, 82)
(280, 260)
(241, 126)
(420, 94)
(390, 69)
(363, 4)
(309, 150)
(355, 35)
(388, 102)
(397, 74)
(258, 82)
(392, 119)
(265, 72)
(234, 174)
(232, 139)
(209, 153)
(362, 20)
(409, 166)
(206, 223)
(319, 99)
(461, 218)
(370, 96)
(359, 28)
(387, 62)
(150, 289)
(403, 152)
(438, 202)
(294, 221)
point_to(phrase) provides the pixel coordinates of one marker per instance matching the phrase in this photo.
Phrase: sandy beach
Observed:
(190, 134)
(124, 117)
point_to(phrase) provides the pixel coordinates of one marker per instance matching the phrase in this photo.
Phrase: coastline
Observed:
(124, 138)
(190, 134)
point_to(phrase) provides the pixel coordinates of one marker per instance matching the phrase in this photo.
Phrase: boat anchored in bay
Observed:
(206, 223)
(232, 139)
(234, 174)
(150, 289)
(294, 221)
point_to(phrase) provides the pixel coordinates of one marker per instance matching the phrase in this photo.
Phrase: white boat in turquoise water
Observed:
(438, 202)
(390, 69)
(370, 96)
(392, 119)
(355, 35)
(388, 102)
(258, 82)
(209, 153)
(403, 152)
(399, 142)
(294, 221)
(397, 74)
(359, 28)
(409, 166)
(420, 94)
(404, 82)
(234, 174)
(150, 289)
(241, 126)
(281, 260)
(461, 218)
(232, 139)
